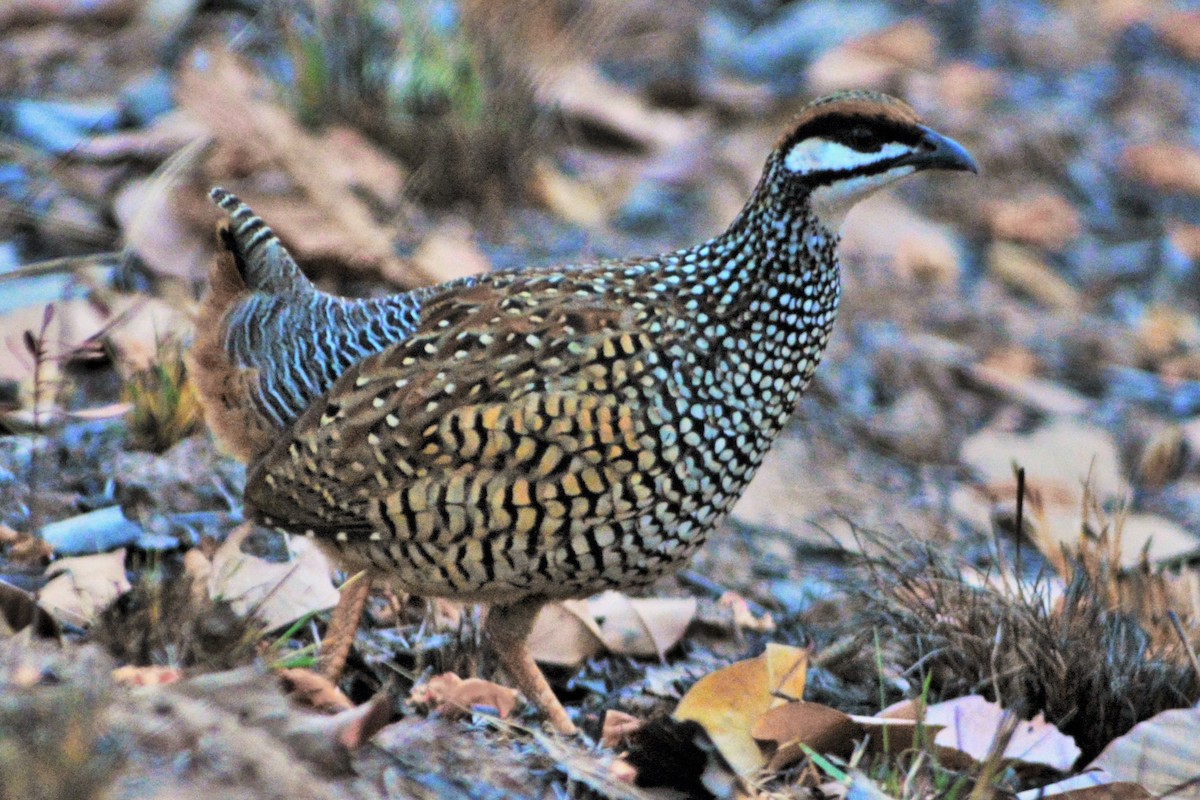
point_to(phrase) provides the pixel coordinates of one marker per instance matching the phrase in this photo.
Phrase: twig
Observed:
(694, 580)
(1187, 644)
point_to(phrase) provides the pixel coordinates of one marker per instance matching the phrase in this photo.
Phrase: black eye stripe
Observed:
(842, 128)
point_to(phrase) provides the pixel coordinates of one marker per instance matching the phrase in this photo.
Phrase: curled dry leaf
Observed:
(641, 626)
(565, 634)
(84, 586)
(728, 703)
(313, 690)
(617, 726)
(451, 695)
(570, 632)
(278, 594)
(743, 617)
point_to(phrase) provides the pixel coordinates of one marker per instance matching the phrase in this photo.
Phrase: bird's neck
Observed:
(763, 296)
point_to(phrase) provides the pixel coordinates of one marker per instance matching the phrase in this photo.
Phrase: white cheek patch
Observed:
(816, 154)
(830, 203)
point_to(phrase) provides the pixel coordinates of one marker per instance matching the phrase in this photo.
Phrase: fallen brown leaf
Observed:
(743, 617)
(565, 634)
(313, 690)
(641, 626)
(451, 695)
(824, 729)
(226, 95)
(1161, 753)
(1027, 272)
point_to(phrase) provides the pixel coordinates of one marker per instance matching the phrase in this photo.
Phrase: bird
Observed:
(529, 435)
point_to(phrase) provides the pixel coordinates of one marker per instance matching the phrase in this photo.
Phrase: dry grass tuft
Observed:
(165, 408)
(162, 622)
(1092, 668)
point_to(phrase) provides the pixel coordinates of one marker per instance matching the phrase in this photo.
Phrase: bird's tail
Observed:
(261, 259)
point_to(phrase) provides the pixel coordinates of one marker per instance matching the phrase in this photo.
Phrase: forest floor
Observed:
(1040, 316)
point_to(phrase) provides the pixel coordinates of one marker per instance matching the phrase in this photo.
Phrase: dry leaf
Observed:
(1163, 331)
(728, 703)
(970, 725)
(1037, 393)
(570, 632)
(1161, 753)
(565, 634)
(227, 95)
(874, 61)
(278, 594)
(84, 586)
(1044, 220)
(1058, 459)
(19, 610)
(617, 726)
(451, 695)
(1163, 165)
(1026, 271)
(642, 627)
(311, 689)
(151, 675)
(570, 199)
(824, 729)
(580, 90)
(1094, 784)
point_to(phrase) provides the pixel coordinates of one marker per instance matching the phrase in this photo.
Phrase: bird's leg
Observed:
(507, 628)
(343, 623)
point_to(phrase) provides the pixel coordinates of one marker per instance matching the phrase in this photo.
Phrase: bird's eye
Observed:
(862, 138)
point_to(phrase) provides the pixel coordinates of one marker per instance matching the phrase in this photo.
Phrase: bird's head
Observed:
(845, 146)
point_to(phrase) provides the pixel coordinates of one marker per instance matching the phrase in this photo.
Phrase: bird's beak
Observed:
(940, 152)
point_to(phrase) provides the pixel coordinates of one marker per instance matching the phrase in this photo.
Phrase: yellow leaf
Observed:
(729, 702)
